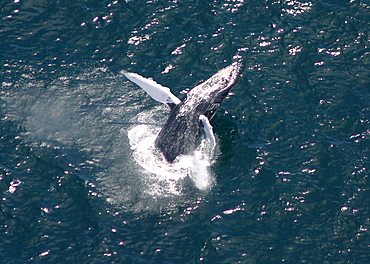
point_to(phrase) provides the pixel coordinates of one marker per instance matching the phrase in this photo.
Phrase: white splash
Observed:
(165, 178)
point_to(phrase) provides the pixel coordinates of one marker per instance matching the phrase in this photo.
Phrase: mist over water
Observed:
(95, 112)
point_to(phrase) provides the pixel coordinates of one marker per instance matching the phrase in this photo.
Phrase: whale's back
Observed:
(180, 135)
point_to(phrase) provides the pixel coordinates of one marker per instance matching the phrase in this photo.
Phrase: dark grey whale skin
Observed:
(183, 130)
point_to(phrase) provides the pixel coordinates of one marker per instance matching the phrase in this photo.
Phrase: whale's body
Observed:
(189, 118)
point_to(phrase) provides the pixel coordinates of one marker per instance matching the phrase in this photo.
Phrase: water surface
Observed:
(289, 181)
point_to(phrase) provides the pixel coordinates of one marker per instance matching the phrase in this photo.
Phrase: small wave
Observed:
(166, 178)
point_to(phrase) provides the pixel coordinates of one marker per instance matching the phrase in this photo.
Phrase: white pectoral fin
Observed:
(155, 90)
(208, 130)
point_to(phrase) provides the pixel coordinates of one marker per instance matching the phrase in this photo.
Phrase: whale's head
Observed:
(208, 96)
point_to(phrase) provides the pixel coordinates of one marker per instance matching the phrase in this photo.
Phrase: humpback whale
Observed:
(189, 118)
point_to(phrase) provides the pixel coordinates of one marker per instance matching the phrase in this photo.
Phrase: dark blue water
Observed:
(289, 181)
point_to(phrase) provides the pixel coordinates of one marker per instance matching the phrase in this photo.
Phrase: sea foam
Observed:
(167, 178)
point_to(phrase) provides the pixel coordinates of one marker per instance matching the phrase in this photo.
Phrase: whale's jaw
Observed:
(183, 130)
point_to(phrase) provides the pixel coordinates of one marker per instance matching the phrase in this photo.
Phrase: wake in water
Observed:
(166, 178)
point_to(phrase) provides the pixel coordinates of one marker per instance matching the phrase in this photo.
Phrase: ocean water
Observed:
(288, 182)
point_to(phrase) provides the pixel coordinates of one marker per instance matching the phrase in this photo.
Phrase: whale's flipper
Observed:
(158, 92)
(189, 118)
(208, 130)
